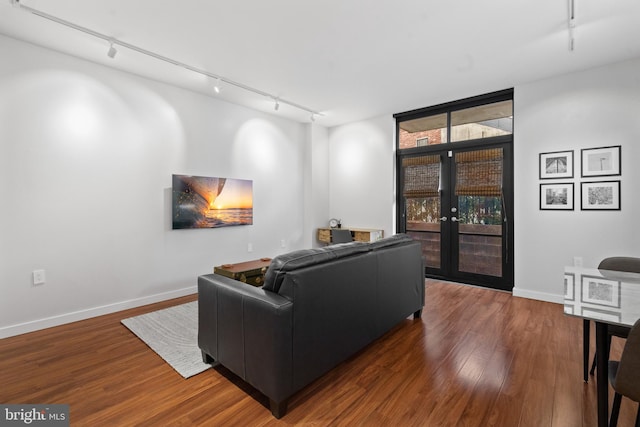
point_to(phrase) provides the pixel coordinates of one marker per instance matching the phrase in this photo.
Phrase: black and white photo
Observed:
(601, 195)
(556, 196)
(557, 164)
(602, 161)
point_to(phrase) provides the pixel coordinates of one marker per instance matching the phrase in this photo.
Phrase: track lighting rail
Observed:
(116, 42)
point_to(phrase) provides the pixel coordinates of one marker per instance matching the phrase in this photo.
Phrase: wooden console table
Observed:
(251, 272)
(359, 234)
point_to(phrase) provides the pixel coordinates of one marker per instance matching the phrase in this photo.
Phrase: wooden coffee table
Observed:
(251, 272)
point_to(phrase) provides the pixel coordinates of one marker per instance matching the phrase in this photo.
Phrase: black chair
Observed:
(625, 264)
(624, 375)
(340, 235)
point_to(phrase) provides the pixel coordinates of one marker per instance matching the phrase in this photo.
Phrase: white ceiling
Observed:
(349, 59)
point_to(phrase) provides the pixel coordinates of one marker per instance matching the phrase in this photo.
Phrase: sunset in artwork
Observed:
(210, 202)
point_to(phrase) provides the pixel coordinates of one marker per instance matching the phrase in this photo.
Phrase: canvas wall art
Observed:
(210, 202)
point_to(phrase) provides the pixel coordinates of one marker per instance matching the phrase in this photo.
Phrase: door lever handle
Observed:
(443, 219)
(454, 219)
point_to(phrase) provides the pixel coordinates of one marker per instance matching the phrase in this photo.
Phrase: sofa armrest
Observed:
(249, 331)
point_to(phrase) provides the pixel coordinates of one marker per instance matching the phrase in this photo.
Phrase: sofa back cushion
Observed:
(396, 239)
(306, 257)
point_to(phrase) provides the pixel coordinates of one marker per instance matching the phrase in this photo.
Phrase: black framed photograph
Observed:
(601, 161)
(557, 196)
(600, 291)
(558, 164)
(600, 196)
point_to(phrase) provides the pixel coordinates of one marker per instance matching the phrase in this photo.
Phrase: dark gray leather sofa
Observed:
(316, 308)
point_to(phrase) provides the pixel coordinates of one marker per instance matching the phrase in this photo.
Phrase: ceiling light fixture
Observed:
(112, 51)
(17, 3)
(572, 23)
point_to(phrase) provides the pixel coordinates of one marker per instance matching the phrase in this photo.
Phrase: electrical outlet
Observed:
(250, 247)
(577, 261)
(283, 243)
(38, 277)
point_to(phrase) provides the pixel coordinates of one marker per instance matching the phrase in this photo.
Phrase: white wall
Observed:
(593, 108)
(361, 178)
(86, 157)
(316, 188)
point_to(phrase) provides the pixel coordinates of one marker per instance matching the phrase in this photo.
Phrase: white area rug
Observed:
(173, 334)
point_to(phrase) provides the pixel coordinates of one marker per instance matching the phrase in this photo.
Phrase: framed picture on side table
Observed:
(558, 164)
(602, 161)
(556, 196)
(600, 196)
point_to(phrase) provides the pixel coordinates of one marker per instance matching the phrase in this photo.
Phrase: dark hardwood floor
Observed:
(476, 358)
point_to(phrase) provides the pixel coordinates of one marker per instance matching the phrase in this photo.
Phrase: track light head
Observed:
(572, 24)
(313, 117)
(111, 53)
(217, 87)
(15, 3)
(276, 106)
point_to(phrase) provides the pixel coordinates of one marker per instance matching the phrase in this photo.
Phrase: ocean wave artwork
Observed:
(209, 202)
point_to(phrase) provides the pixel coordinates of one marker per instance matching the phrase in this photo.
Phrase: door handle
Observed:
(454, 219)
(443, 219)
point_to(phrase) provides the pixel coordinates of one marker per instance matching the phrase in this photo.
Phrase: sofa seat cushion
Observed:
(306, 257)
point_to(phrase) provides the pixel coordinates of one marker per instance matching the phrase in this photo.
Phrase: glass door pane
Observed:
(423, 225)
(480, 235)
(478, 188)
(421, 188)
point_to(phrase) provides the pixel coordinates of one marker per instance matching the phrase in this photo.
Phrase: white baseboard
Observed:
(48, 322)
(541, 296)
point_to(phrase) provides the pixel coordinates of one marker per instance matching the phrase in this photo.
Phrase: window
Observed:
(422, 142)
(457, 123)
(484, 121)
(434, 128)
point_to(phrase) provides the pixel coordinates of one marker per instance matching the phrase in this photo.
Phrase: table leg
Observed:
(602, 374)
(585, 349)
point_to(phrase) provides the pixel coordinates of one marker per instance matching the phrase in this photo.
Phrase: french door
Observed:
(458, 211)
(455, 195)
